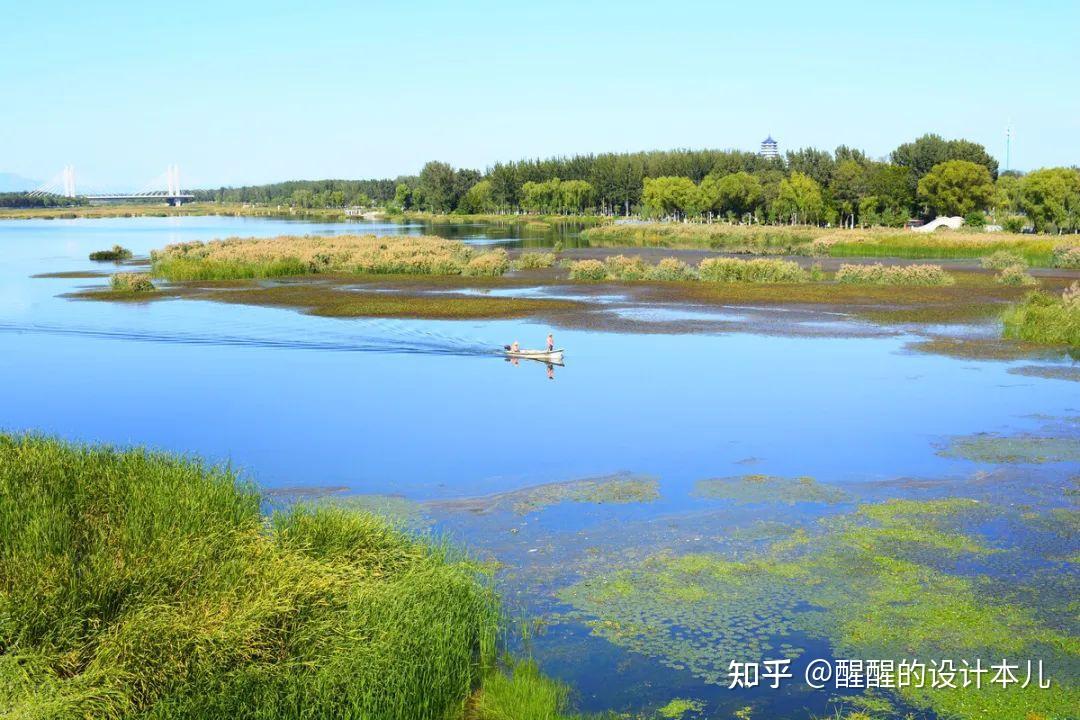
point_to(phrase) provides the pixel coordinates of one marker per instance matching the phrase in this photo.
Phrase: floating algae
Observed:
(607, 490)
(865, 585)
(1050, 372)
(745, 489)
(988, 448)
(679, 707)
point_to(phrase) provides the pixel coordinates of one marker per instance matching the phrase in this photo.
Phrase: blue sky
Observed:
(239, 92)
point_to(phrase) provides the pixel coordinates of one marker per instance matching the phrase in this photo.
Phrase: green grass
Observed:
(523, 693)
(135, 584)
(753, 239)
(1045, 319)
(1043, 251)
(1035, 250)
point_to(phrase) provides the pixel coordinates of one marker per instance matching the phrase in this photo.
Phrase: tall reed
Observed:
(1046, 319)
(758, 270)
(237, 258)
(878, 274)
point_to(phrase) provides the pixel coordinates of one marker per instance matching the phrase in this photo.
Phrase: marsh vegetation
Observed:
(129, 282)
(831, 242)
(138, 584)
(237, 258)
(1046, 319)
(115, 254)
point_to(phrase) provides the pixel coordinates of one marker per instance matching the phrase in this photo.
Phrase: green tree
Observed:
(1007, 194)
(576, 196)
(799, 200)
(403, 196)
(817, 164)
(675, 196)
(436, 187)
(957, 187)
(303, 198)
(849, 186)
(478, 199)
(738, 194)
(1051, 199)
(920, 156)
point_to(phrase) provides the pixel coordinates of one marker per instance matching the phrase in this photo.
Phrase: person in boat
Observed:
(551, 342)
(514, 347)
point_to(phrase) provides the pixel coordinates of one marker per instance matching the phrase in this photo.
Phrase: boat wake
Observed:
(413, 342)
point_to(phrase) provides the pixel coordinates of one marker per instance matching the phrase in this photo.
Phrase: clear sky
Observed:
(243, 92)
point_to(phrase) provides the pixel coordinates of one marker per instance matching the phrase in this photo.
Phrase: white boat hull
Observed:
(554, 356)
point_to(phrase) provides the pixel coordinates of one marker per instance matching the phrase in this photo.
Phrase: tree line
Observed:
(309, 193)
(926, 177)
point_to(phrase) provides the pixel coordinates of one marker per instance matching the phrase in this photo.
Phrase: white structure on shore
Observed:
(769, 148)
(953, 223)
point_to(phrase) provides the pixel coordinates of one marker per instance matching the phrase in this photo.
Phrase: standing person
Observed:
(551, 342)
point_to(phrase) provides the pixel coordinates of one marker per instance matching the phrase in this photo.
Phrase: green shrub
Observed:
(534, 261)
(1002, 259)
(878, 274)
(1045, 319)
(489, 264)
(116, 253)
(1015, 275)
(1014, 223)
(758, 270)
(622, 267)
(671, 269)
(1067, 256)
(975, 220)
(131, 282)
(590, 270)
(135, 584)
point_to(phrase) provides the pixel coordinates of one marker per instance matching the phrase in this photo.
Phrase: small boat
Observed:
(549, 356)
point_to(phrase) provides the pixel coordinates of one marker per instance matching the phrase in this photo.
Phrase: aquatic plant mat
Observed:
(652, 607)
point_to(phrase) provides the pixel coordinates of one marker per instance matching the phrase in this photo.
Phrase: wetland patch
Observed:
(744, 489)
(991, 448)
(617, 489)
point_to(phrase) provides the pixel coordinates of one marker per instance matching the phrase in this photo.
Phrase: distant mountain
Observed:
(10, 182)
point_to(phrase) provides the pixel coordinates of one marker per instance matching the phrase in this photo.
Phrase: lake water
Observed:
(423, 410)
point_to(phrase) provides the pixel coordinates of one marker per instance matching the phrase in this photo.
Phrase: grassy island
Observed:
(240, 258)
(1037, 250)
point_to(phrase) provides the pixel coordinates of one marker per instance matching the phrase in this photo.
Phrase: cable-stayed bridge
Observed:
(164, 187)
